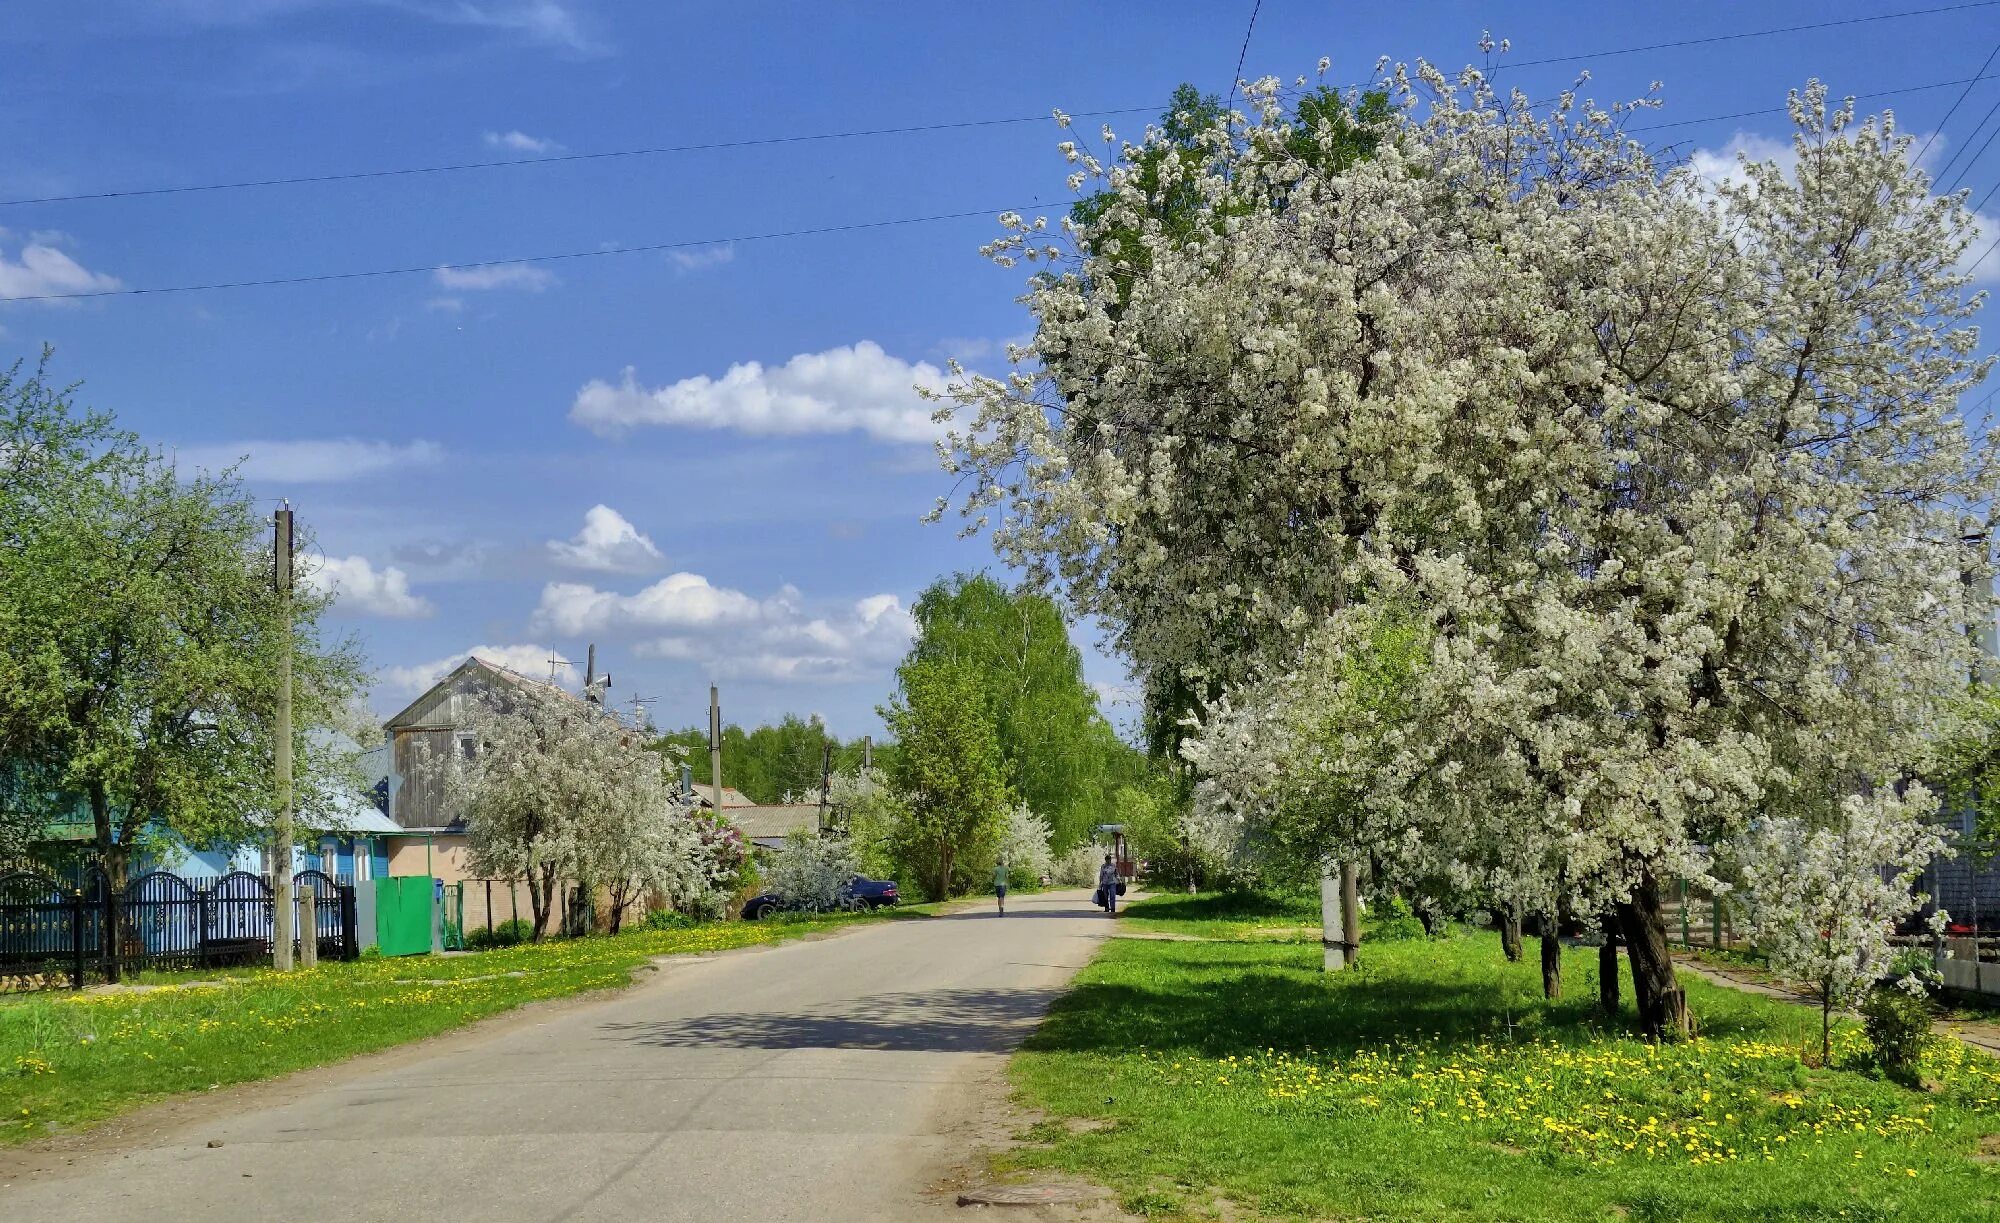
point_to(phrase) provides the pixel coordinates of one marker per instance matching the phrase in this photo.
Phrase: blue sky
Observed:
(707, 460)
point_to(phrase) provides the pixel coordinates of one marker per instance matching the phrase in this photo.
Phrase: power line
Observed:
(1959, 102)
(1975, 158)
(556, 158)
(1779, 110)
(1790, 29)
(376, 273)
(1960, 152)
(1241, 52)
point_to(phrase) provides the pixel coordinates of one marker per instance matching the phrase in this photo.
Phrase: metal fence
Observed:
(82, 928)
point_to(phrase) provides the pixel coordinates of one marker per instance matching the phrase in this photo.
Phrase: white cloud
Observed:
(1725, 165)
(310, 462)
(358, 586)
(1115, 695)
(521, 142)
(840, 390)
(445, 305)
(684, 617)
(697, 258)
(541, 21)
(529, 660)
(495, 276)
(43, 270)
(607, 543)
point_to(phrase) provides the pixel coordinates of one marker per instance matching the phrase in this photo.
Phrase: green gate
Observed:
(403, 914)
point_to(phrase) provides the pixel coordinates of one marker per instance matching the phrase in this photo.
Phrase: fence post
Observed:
(489, 908)
(1715, 921)
(350, 933)
(308, 899)
(76, 937)
(206, 920)
(1684, 915)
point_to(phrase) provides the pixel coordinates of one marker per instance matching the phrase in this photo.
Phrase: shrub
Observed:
(1898, 1025)
(668, 919)
(1078, 867)
(1396, 923)
(506, 934)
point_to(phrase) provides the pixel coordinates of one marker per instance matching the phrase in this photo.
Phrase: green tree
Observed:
(1059, 754)
(947, 771)
(140, 627)
(768, 762)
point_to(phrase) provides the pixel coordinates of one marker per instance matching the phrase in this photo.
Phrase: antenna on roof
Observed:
(555, 667)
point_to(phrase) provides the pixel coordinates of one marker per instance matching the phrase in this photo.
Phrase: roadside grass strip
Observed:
(1433, 1082)
(67, 1060)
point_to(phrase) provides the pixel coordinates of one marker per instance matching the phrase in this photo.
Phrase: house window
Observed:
(467, 745)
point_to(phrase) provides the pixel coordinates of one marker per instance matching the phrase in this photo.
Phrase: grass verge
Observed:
(67, 1060)
(1225, 1079)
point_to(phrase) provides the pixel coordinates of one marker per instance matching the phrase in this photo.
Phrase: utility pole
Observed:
(281, 823)
(825, 783)
(715, 744)
(590, 674)
(868, 751)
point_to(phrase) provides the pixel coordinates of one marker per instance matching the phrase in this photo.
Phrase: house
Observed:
(429, 833)
(766, 825)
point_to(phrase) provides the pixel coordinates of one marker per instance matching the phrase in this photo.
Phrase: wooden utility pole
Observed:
(281, 734)
(715, 744)
(825, 783)
(868, 751)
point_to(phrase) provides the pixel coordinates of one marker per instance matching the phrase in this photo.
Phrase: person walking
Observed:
(1107, 885)
(1000, 885)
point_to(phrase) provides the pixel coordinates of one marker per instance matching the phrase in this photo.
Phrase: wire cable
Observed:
(1236, 78)
(1960, 151)
(1959, 102)
(1779, 110)
(522, 261)
(1790, 29)
(556, 158)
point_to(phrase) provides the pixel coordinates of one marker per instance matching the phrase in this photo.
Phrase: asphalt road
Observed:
(827, 1080)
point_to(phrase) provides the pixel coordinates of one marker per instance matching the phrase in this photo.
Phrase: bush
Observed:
(506, 934)
(1898, 1026)
(1395, 923)
(668, 919)
(1078, 867)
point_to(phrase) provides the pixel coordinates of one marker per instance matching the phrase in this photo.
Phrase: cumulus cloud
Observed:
(608, 543)
(696, 258)
(529, 660)
(358, 586)
(732, 634)
(43, 270)
(323, 461)
(848, 389)
(520, 142)
(495, 276)
(1725, 165)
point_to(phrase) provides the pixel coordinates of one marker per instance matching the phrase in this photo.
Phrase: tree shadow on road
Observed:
(932, 1021)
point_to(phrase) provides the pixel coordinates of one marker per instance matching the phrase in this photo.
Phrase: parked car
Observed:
(860, 892)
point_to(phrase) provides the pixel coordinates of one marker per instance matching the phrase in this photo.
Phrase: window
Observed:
(467, 745)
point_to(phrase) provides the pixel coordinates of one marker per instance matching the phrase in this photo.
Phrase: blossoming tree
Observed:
(1666, 475)
(1822, 902)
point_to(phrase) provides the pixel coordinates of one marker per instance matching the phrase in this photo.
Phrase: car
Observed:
(860, 892)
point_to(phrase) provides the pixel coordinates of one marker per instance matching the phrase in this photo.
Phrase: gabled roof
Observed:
(774, 821)
(472, 666)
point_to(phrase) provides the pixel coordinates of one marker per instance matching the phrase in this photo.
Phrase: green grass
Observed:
(67, 1060)
(1433, 1082)
(1290, 917)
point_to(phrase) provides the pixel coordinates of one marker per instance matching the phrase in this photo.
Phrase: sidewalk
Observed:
(1982, 1036)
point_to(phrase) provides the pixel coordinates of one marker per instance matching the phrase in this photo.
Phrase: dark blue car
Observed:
(860, 893)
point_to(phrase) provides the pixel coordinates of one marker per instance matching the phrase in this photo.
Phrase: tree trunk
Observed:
(1607, 965)
(1510, 931)
(113, 855)
(1662, 1005)
(541, 898)
(1552, 964)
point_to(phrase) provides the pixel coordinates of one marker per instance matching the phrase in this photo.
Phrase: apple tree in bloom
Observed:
(555, 790)
(1665, 476)
(1024, 845)
(1821, 902)
(811, 872)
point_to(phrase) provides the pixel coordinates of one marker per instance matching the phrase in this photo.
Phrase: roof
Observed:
(439, 696)
(732, 799)
(774, 821)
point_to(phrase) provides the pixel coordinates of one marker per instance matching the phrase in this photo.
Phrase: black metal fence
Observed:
(83, 928)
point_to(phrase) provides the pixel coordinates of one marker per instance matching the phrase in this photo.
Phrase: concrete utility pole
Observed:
(281, 734)
(590, 673)
(715, 744)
